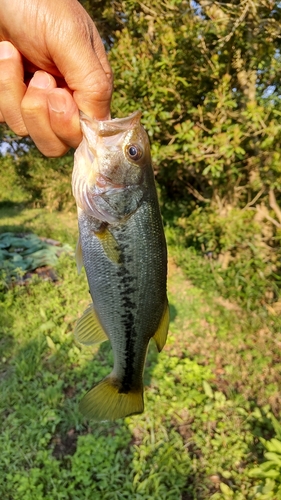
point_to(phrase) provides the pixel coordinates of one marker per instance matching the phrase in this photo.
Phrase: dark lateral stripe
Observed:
(127, 287)
(128, 305)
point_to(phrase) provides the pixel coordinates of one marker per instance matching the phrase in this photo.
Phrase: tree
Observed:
(207, 76)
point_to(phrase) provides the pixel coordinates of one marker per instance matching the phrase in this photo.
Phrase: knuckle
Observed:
(103, 90)
(6, 86)
(53, 151)
(30, 108)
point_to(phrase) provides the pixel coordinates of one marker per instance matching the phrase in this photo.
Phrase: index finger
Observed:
(12, 88)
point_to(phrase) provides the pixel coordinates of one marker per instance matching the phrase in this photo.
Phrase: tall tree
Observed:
(207, 76)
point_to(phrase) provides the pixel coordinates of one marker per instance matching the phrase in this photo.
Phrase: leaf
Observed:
(269, 486)
(226, 490)
(273, 457)
(272, 473)
(267, 444)
(208, 389)
(256, 472)
(276, 426)
(276, 447)
(268, 465)
(50, 343)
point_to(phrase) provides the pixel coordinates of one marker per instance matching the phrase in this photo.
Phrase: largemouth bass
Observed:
(123, 248)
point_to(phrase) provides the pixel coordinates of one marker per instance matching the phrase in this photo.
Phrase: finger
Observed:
(99, 85)
(94, 98)
(64, 117)
(35, 113)
(96, 93)
(12, 88)
(85, 67)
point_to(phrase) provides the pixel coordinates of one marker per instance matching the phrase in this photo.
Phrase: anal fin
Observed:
(160, 336)
(88, 330)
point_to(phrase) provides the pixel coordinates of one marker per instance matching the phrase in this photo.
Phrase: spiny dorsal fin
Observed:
(88, 330)
(160, 336)
(105, 402)
(79, 256)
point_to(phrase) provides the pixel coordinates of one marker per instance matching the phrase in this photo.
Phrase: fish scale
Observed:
(126, 268)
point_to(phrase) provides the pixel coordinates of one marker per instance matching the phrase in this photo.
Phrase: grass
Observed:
(209, 396)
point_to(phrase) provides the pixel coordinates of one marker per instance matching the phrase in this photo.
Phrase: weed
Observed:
(200, 433)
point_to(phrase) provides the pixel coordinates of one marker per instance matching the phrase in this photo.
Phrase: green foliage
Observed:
(206, 76)
(11, 190)
(202, 89)
(198, 436)
(48, 181)
(36, 180)
(270, 470)
(241, 254)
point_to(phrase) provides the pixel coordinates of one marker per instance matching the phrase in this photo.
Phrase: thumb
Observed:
(79, 55)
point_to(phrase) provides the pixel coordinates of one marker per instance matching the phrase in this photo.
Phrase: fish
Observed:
(123, 249)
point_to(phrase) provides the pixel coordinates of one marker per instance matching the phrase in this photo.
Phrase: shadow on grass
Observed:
(173, 312)
(52, 446)
(43, 424)
(6, 340)
(10, 208)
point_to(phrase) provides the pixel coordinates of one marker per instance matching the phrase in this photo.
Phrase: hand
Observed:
(52, 63)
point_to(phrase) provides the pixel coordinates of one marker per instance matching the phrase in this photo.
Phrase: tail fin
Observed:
(104, 402)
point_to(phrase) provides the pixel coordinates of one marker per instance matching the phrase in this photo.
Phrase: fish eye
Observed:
(134, 152)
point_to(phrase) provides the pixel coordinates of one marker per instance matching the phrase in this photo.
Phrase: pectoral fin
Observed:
(109, 244)
(88, 330)
(160, 336)
(79, 256)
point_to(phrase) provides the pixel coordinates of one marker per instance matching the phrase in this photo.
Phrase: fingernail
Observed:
(40, 80)
(57, 102)
(6, 50)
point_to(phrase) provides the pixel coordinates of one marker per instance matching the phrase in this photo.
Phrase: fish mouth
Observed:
(114, 126)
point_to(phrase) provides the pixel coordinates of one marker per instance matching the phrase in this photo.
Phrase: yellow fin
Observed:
(104, 402)
(79, 256)
(88, 330)
(160, 336)
(109, 244)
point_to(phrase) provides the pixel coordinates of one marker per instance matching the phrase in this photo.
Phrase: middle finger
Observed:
(36, 116)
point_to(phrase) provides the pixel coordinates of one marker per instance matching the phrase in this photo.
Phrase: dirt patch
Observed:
(230, 306)
(64, 445)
